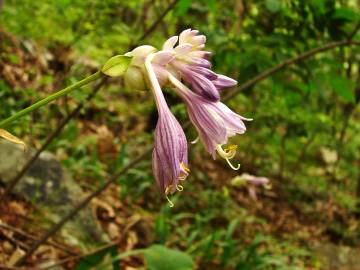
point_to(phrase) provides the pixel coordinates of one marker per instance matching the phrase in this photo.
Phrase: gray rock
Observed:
(337, 256)
(49, 187)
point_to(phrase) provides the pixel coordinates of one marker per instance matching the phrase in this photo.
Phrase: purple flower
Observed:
(183, 62)
(170, 149)
(193, 67)
(252, 179)
(214, 121)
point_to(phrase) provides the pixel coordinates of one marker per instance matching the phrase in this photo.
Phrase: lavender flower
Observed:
(191, 65)
(214, 121)
(245, 179)
(183, 62)
(170, 149)
(252, 179)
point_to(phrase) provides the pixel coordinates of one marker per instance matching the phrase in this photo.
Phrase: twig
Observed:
(289, 62)
(159, 20)
(147, 152)
(301, 157)
(15, 242)
(81, 256)
(24, 234)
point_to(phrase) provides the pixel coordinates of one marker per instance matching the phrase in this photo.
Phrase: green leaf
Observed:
(182, 7)
(92, 260)
(273, 5)
(116, 66)
(346, 14)
(343, 87)
(158, 257)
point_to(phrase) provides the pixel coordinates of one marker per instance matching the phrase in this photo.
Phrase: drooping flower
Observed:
(214, 121)
(250, 181)
(170, 163)
(191, 64)
(183, 64)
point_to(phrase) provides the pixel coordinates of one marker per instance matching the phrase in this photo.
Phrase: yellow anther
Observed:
(228, 153)
(184, 167)
(231, 147)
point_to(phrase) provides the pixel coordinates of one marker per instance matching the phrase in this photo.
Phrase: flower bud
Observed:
(134, 79)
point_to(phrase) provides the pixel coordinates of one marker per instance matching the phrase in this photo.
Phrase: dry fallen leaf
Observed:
(17, 254)
(11, 138)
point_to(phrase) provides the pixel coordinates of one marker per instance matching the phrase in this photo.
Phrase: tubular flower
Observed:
(214, 121)
(191, 64)
(170, 164)
(183, 64)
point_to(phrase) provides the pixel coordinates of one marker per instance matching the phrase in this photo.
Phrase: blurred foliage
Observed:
(304, 137)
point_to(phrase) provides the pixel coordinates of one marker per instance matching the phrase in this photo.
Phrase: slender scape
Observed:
(52, 97)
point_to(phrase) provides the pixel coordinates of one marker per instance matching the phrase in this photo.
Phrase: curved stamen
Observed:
(196, 140)
(232, 166)
(229, 153)
(179, 188)
(171, 204)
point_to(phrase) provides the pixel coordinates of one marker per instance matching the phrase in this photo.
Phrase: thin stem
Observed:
(32, 237)
(289, 62)
(52, 97)
(63, 123)
(148, 151)
(9, 188)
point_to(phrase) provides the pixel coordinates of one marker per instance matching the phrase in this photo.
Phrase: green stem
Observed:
(52, 97)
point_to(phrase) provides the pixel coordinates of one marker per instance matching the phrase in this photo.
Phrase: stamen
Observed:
(195, 141)
(184, 167)
(232, 166)
(171, 204)
(228, 153)
(179, 188)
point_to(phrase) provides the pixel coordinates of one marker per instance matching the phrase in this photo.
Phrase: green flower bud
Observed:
(134, 79)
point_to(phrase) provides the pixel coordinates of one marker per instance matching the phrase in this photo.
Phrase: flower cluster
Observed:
(183, 64)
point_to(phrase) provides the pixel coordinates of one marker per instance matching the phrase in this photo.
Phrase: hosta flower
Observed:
(245, 179)
(191, 64)
(183, 64)
(252, 179)
(214, 121)
(170, 163)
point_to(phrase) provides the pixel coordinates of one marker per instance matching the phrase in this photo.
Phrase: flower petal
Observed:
(170, 43)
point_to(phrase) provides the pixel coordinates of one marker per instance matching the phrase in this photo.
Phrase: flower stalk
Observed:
(51, 98)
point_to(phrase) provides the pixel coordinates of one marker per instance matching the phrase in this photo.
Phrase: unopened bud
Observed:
(134, 79)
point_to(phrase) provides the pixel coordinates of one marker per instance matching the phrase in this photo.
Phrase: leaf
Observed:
(158, 257)
(92, 260)
(273, 5)
(343, 87)
(116, 66)
(11, 138)
(346, 14)
(182, 7)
